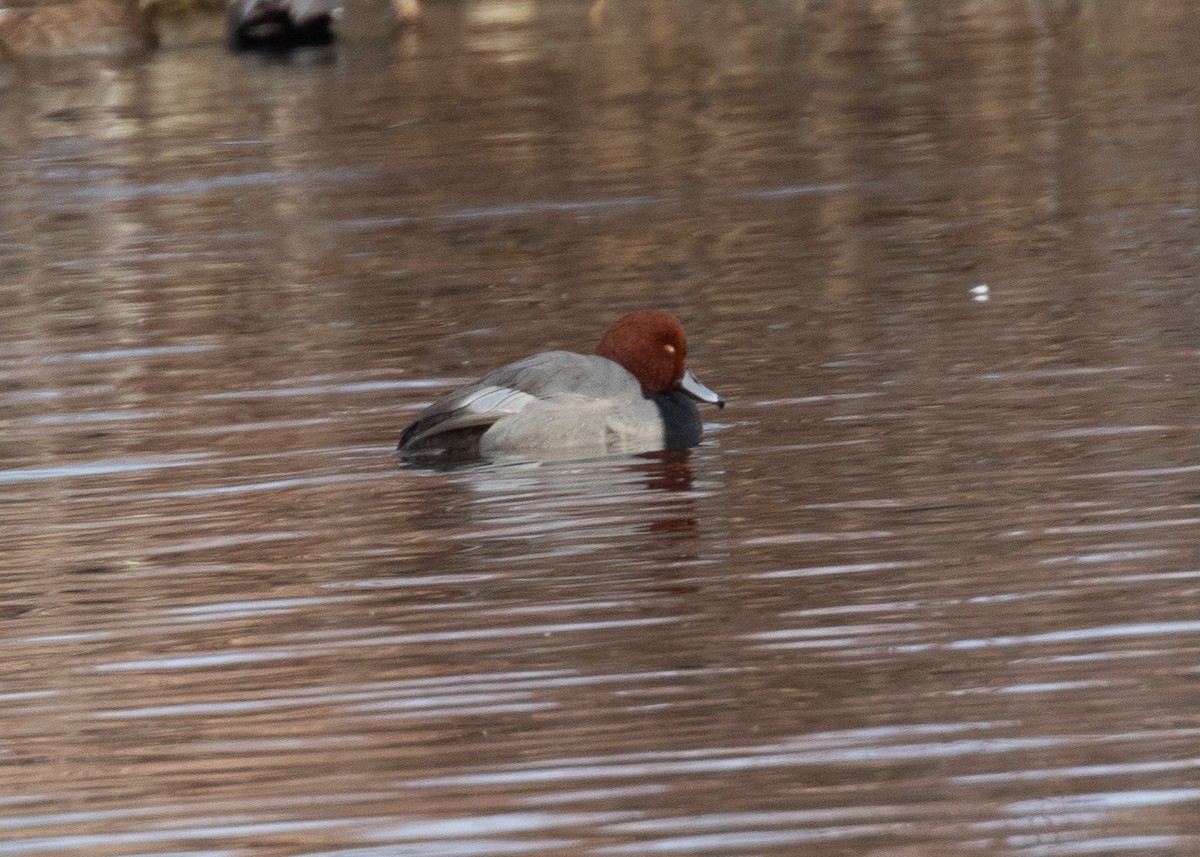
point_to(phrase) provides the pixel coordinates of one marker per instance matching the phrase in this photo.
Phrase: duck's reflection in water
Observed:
(573, 508)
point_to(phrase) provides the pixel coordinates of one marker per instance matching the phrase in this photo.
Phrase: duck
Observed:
(634, 394)
(287, 24)
(115, 27)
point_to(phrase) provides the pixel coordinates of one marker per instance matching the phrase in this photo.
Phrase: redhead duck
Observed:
(635, 394)
(84, 26)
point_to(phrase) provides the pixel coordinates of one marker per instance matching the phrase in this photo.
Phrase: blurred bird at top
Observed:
(285, 24)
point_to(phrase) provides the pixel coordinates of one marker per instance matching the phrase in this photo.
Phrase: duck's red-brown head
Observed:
(652, 346)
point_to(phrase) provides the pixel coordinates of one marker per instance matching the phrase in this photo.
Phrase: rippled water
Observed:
(928, 589)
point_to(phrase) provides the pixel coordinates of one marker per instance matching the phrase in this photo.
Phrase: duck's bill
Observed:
(691, 385)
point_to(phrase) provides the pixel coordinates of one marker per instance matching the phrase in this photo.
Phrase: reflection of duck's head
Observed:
(285, 24)
(82, 27)
(667, 470)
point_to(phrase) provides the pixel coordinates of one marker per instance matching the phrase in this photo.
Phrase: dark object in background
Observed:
(280, 24)
(286, 24)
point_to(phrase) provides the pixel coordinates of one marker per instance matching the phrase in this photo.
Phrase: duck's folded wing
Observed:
(472, 409)
(458, 420)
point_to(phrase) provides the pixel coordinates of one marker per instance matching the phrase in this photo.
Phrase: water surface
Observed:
(928, 588)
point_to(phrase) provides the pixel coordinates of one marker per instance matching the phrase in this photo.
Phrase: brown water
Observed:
(928, 589)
